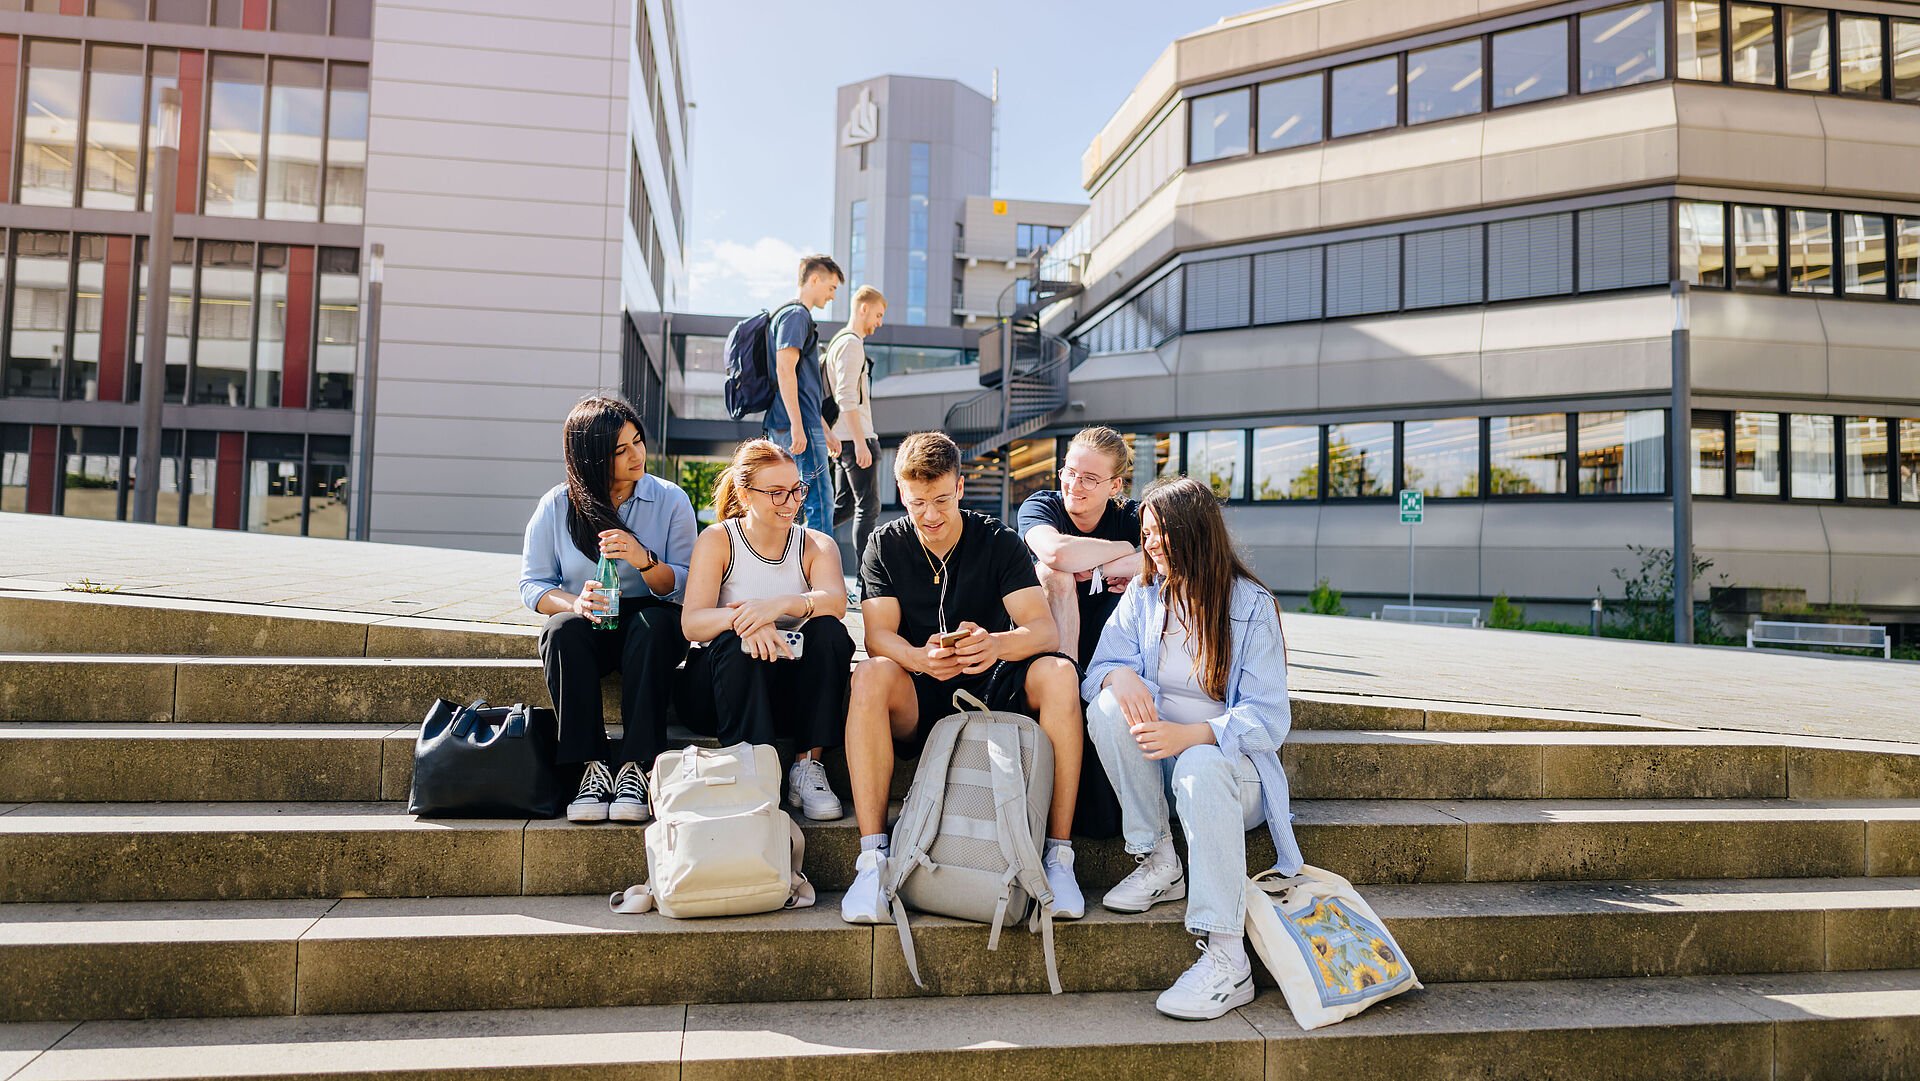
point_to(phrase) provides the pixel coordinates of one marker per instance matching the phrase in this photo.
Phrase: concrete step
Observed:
(87, 687)
(238, 958)
(1741, 1028)
(72, 622)
(160, 761)
(235, 851)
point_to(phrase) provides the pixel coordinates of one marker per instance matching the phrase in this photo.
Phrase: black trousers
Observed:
(646, 648)
(856, 495)
(756, 701)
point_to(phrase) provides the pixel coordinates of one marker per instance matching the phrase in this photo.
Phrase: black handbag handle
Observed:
(463, 720)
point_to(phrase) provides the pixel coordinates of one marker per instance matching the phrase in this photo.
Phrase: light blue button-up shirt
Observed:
(658, 514)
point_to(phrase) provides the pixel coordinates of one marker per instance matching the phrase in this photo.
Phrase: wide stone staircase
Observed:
(206, 870)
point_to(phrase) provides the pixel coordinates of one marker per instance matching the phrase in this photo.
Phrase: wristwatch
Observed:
(652, 560)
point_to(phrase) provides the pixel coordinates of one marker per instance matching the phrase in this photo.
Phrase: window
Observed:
(50, 134)
(1217, 294)
(1528, 455)
(113, 9)
(115, 93)
(1220, 125)
(89, 315)
(1359, 460)
(1444, 82)
(1287, 285)
(1756, 454)
(93, 473)
(1530, 257)
(271, 343)
(919, 188)
(1286, 463)
(1290, 112)
(15, 465)
(1623, 453)
(1032, 238)
(224, 329)
(327, 486)
(164, 73)
(1866, 450)
(1809, 49)
(1860, 66)
(1366, 96)
(179, 316)
(1530, 64)
(190, 12)
(1623, 246)
(1865, 242)
(298, 109)
(40, 297)
(1751, 28)
(274, 484)
(1698, 38)
(1909, 461)
(1756, 247)
(1703, 244)
(233, 137)
(1155, 455)
(1906, 266)
(856, 245)
(1810, 252)
(1444, 266)
(1441, 457)
(1363, 276)
(300, 16)
(1218, 459)
(347, 143)
(1622, 46)
(337, 328)
(353, 18)
(1810, 440)
(1709, 454)
(1905, 58)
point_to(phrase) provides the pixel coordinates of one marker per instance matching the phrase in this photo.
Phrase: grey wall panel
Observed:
(481, 403)
(1279, 542)
(1565, 549)
(1747, 342)
(1875, 554)
(510, 28)
(422, 474)
(1367, 545)
(1873, 350)
(1770, 544)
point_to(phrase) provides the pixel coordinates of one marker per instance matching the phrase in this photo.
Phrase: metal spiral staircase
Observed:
(1024, 370)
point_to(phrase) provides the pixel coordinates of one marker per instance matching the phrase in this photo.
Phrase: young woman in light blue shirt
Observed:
(609, 506)
(1189, 698)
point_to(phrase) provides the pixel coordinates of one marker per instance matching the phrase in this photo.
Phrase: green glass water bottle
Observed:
(609, 576)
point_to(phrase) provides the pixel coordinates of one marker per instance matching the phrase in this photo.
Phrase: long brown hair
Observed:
(1201, 570)
(593, 430)
(753, 456)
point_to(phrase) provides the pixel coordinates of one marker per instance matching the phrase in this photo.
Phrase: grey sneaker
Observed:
(630, 795)
(807, 789)
(596, 784)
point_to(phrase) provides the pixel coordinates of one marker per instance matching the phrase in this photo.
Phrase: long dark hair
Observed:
(1201, 569)
(593, 430)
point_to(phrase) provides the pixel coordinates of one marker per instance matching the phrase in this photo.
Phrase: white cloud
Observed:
(730, 278)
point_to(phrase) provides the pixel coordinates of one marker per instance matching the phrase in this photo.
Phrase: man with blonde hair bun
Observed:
(1085, 537)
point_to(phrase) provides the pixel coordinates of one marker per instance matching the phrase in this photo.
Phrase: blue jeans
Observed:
(818, 509)
(1218, 802)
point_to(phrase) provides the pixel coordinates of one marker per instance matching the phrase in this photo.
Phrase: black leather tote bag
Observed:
(478, 761)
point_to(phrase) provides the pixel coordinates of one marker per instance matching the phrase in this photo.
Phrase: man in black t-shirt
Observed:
(1085, 538)
(942, 574)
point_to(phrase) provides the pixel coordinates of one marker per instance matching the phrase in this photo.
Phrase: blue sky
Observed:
(762, 75)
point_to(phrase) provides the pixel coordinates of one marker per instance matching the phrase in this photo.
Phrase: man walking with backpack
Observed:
(794, 420)
(850, 383)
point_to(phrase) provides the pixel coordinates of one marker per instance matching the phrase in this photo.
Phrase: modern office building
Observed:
(997, 243)
(524, 174)
(1340, 248)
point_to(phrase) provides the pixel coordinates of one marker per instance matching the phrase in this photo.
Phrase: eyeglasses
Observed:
(781, 496)
(1073, 478)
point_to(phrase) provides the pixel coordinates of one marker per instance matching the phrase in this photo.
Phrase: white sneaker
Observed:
(1068, 903)
(596, 784)
(861, 904)
(1159, 877)
(1207, 990)
(808, 790)
(630, 795)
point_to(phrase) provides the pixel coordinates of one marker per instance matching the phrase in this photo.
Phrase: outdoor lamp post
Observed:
(153, 356)
(1680, 473)
(369, 381)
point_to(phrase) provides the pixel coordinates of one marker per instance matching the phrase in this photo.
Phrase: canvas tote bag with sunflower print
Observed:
(1331, 956)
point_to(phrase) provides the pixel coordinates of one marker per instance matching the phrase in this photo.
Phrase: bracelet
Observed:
(809, 614)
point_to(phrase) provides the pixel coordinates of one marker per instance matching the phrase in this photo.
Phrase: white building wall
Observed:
(496, 178)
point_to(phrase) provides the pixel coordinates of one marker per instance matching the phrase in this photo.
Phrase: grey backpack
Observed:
(969, 839)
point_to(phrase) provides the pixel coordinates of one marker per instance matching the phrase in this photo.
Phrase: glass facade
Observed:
(1359, 460)
(1703, 243)
(1864, 237)
(1750, 34)
(41, 293)
(1813, 457)
(1219, 459)
(1909, 431)
(1811, 450)
(1810, 251)
(1867, 444)
(1441, 457)
(1623, 453)
(116, 94)
(1756, 247)
(1220, 123)
(1622, 46)
(1809, 49)
(919, 188)
(1861, 69)
(1444, 82)
(1698, 39)
(856, 245)
(1286, 463)
(1877, 257)
(346, 160)
(1527, 455)
(1709, 454)
(50, 128)
(236, 107)
(298, 110)
(1530, 64)
(1756, 454)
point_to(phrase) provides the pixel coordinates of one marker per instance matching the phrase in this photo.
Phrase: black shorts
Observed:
(1002, 687)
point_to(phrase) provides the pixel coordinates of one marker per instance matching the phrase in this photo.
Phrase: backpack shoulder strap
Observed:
(773, 323)
(918, 826)
(1016, 842)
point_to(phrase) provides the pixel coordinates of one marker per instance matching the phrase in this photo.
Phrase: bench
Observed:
(1423, 613)
(1830, 635)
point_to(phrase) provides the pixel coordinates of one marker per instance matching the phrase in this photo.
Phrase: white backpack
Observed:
(720, 845)
(969, 839)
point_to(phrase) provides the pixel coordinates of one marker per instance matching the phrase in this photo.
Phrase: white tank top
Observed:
(1181, 697)
(751, 576)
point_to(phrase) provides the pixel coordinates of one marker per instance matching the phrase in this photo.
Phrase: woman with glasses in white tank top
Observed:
(756, 577)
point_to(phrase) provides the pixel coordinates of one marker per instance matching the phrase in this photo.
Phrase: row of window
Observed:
(349, 18)
(919, 191)
(273, 137)
(1798, 48)
(267, 325)
(1028, 239)
(263, 482)
(1742, 454)
(640, 216)
(1146, 169)
(1604, 248)
(1796, 250)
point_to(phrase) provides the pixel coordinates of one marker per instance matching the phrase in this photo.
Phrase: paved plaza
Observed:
(1709, 687)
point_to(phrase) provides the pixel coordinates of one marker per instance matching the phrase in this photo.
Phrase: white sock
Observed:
(870, 842)
(1055, 843)
(1231, 947)
(1162, 854)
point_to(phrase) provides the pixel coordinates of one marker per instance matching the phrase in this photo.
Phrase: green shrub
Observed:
(1507, 616)
(1324, 600)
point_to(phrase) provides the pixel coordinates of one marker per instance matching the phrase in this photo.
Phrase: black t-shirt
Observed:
(989, 563)
(1119, 522)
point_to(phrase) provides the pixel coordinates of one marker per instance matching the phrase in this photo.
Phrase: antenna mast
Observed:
(994, 152)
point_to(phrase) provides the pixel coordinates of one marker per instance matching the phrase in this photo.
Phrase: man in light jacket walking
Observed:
(850, 381)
